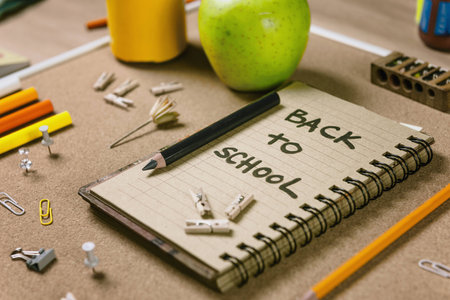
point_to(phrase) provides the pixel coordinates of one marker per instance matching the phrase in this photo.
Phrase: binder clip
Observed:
(20, 211)
(35, 260)
(119, 101)
(207, 226)
(45, 216)
(238, 205)
(125, 87)
(201, 202)
(103, 81)
(166, 88)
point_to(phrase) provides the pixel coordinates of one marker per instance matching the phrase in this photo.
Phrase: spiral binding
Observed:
(272, 246)
(389, 170)
(414, 154)
(256, 256)
(237, 263)
(334, 207)
(362, 187)
(303, 224)
(376, 179)
(286, 233)
(320, 217)
(426, 146)
(348, 197)
(402, 164)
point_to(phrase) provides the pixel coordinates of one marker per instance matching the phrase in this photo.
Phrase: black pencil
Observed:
(213, 131)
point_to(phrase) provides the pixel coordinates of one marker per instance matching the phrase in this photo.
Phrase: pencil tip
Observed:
(150, 166)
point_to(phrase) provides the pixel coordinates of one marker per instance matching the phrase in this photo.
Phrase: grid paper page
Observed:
(285, 158)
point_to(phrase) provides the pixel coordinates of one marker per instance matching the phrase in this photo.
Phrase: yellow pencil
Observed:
(326, 285)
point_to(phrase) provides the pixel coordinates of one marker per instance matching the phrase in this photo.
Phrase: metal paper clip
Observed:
(166, 88)
(119, 101)
(125, 87)
(103, 81)
(35, 260)
(201, 202)
(10, 200)
(238, 205)
(207, 226)
(48, 215)
(435, 267)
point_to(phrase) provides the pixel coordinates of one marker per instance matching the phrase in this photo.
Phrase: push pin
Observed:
(25, 163)
(119, 101)
(35, 260)
(103, 81)
(69, 296)
(238, 205)
(125, 87)
(166, 88)
(91, 260)
(201, 202)
(46, 140)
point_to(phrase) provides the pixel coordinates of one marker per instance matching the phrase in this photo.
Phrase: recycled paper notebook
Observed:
(309, 162)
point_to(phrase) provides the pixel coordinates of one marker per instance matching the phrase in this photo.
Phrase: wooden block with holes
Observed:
(413, 78)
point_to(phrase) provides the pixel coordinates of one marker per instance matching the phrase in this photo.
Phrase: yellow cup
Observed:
(146, 30)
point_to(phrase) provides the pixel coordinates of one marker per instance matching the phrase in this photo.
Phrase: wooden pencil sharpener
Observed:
(413, 78)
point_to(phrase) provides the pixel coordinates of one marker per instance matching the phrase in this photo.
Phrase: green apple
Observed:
(254, 45)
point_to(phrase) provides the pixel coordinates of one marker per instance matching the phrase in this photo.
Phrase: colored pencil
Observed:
(25, 115)
(326, 285)
(208, 134)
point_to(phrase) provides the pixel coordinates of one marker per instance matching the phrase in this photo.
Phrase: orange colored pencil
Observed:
(17, 99)
(96, 23)
(25, 115)
(327, 284)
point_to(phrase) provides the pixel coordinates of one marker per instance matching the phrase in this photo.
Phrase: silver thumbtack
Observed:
(91, 260)
(25, 163)
(46, 140)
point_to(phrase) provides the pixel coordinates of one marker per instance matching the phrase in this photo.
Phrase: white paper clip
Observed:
(103, 81)
(207, 226)
(119, 101)
(166, 88)
(435, 267)
(201, 202)
(238, 205)
(20, 211)
(125, 87)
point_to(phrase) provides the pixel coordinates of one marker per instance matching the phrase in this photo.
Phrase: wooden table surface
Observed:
(50, 27)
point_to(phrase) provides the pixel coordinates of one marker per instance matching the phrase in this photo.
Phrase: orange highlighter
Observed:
(25, 115)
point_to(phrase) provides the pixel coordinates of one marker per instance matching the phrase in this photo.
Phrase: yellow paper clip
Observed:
(47, 215)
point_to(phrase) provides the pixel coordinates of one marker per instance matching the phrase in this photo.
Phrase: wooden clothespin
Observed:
(238, 205)
(207, 226)
(166, 88)
(125, 87)
(103, 81)
(201, 202)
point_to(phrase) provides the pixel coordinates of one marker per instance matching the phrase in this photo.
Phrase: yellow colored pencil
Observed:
(326, 285)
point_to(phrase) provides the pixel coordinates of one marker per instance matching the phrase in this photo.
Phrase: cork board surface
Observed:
(132, 271)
